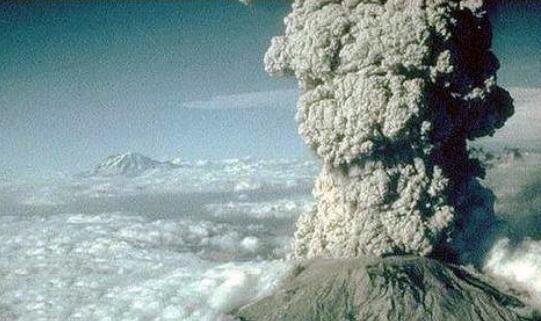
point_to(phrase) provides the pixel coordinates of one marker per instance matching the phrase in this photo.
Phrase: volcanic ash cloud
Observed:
(390, 93)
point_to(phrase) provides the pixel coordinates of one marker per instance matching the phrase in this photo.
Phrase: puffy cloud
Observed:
(390, 93)
(120, 266)
(520, 265)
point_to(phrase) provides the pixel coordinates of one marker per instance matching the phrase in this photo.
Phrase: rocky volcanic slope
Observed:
(382, 289)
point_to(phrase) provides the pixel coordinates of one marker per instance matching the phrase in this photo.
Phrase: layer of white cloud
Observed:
(264, 99)
(116, 266)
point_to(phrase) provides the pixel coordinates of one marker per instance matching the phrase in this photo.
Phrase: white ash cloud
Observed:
(390, 93)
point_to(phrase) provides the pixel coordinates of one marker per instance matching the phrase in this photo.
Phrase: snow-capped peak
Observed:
(126, 164)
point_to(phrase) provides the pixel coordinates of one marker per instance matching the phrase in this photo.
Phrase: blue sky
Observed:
(82, 80)
(517, 42)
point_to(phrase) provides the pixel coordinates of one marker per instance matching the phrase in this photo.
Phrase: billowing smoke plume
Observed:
(390, 93)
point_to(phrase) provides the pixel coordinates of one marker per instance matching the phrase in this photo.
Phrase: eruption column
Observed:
(390, 93)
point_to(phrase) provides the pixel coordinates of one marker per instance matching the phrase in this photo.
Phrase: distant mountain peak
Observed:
(126, 164)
